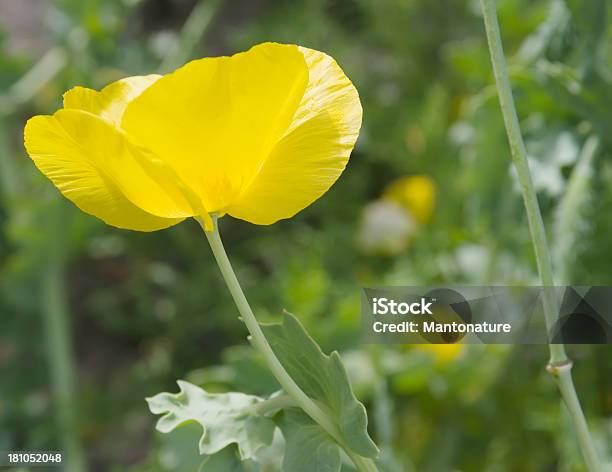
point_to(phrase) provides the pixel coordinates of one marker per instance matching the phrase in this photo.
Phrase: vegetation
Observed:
(429, 197)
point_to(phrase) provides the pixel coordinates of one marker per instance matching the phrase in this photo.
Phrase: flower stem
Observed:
(260, 343)
(559, 366)
(191, 34)
(59, 344)
(519, 157)
(274, 404)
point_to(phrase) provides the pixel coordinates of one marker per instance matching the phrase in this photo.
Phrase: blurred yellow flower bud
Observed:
(416, 193)
(444, 353)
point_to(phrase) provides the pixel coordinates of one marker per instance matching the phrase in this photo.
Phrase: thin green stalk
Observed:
(54, 308)
(193, 30)
(559, 366)
(49, 65)
(571, 214)
(519, 157)
(563, 374)
(274, 404)
(59, 344)
(259, 342)
(10, 182)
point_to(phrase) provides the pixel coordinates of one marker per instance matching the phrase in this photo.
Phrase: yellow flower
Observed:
(444, 353)
(416, 193)
(259, 135)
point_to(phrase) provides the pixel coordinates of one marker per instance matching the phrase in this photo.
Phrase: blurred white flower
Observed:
(385, 228)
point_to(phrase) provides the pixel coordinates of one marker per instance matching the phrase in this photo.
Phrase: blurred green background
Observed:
(143, 309)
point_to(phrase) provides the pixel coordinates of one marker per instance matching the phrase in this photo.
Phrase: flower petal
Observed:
(215, 120)
(95, 166)
(110, 102)
(314, 150)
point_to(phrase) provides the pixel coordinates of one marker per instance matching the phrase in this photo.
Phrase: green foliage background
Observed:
(146, 309)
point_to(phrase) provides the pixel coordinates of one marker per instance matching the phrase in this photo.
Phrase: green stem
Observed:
(560, 365)
(576, 199)
(519, 157)
(59, 343)
(260, 343)
(274, 404)
(10, 183)
(192, 32)
(563, 374)
(49, 65)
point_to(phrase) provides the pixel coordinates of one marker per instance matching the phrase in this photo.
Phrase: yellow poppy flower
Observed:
(259, 135)
(416, 193)
(444, 353)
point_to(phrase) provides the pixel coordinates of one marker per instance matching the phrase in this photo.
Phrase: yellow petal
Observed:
(314, 150)
(215, 120)
(95, 166)
(110, 102)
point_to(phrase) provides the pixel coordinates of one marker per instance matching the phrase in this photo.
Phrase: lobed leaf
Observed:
(225, 418)
(308, 448)
(323, 378)
(227, 460)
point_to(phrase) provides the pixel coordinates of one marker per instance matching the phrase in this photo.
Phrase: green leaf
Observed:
(308, 448)
(323, 378)
(178, 451)
(227, 460)
(225, 418)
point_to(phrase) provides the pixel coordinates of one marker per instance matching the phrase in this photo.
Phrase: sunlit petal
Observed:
(215, 120)
(314, 150)
(94, 165)
(110, 102)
